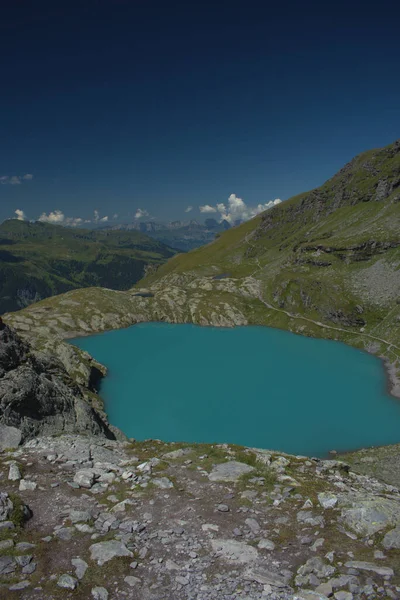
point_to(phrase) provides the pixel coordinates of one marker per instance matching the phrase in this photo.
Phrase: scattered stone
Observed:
(99, 593)
(132, 581)
(361, 565)
(253, 525)
(234, 550)
(79, 516)
(327, 499)
(266, 577)
(85, 478)
(6, 544)
(392, 539)
(80, 567)
(10, 437)
(14, 474)
(67, 581)
(26, 485)
(308, 518)
(223, 508)
(182, 580)
(7, 565)
(342, 595)
(21, 585)
(105, 551)
(163, 483)
(229, 471)
(266, 545)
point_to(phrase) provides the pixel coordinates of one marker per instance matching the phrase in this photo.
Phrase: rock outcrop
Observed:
(37, 396)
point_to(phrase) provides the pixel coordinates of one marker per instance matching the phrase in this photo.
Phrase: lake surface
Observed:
(254, 386)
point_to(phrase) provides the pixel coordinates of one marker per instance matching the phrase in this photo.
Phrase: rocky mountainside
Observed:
(325, 263)
(38, 260)
(84, 518)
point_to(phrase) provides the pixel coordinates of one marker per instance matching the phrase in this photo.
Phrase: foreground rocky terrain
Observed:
(148, 520)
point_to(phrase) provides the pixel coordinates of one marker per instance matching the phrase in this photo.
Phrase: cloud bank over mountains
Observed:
(233, 211)
(15, 179)
(236, 209)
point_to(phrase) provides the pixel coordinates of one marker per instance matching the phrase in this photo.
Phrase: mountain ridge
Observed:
(40, 259)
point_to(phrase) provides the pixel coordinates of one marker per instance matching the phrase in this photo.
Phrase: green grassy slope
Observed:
(38, 260)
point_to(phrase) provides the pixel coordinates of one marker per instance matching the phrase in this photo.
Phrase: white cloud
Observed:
(21, 216)
(57, 217)
(15, 179)
(98, 219)
(237, 210)
(207, 209)
(115, 216)
(188, 209)
(141, 213)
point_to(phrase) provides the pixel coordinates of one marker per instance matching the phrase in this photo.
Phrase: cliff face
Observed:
(37, 396)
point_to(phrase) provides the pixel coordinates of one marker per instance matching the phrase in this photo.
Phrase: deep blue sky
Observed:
(115, 105)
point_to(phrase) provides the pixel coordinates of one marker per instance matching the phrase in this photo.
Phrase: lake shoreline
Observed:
(385, 386)
(392, 377)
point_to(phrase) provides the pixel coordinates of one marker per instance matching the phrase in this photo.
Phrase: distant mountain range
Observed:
(38, 260)
(181, 235)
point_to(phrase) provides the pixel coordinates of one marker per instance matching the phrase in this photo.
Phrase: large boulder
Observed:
(367, 517)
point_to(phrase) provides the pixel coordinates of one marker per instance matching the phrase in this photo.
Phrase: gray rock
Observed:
(21, 585)
(327, 499)
(308, 518)
(6, 506)
(309, 595)
(79, 516)
(26, 485)
(229, 471)
(85, 478)
(182, 580)
(24, 560)
(80, 567)
(223, 508)
(316, 566)
(29, 569)
(105, 551)
(7, 565)
(342, 595)
(132, 581)
(5, 544)
(392, 539)
(10, 437)
(163, 483)
(65, 533)
(361, 565)
(99, 593)
(24, 546)
(233, 550)
(367, 517)
(266, 545)
(253, 525)
(67, 581)
(14, 474)
(178, 453)
(4, 525)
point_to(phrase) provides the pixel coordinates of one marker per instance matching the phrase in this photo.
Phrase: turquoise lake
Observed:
(254, 386)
